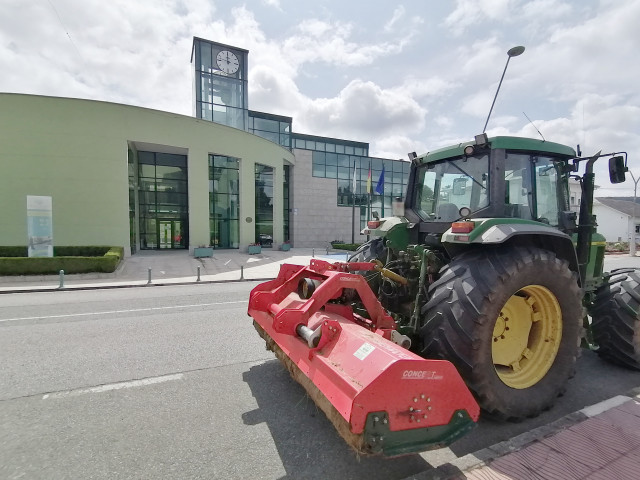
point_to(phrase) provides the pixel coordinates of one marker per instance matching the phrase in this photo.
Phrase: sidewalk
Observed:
(174, 267)
(600, 442)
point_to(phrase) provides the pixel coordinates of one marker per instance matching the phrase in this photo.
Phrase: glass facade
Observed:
(224, 199)
(131, 166)
(162, 195)
(341, 167)
(220, 78)
(331, 145)
(286, 205)
(275, 128)
(264, 205)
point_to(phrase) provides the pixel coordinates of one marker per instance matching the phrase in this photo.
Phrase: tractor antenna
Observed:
(512, 52)
(534, 126)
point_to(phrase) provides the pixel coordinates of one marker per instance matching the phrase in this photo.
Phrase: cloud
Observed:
(418, 87)
(272, 3)
(117, 51)
(367, 109)
(470, 12)
(397, 146)
(398, 13)
(313, 43)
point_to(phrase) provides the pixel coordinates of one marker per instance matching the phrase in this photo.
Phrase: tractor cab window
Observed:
(532, 187)
(546, 181)
(445, 187)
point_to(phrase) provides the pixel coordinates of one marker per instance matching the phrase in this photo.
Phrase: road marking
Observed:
(110, 312)
(113, 386)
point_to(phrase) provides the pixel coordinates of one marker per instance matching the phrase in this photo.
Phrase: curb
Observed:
(457, 468)
(97, 286)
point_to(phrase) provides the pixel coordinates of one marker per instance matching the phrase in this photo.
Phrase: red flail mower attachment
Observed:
(381, 397)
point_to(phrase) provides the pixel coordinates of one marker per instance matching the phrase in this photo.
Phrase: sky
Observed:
(403, 76)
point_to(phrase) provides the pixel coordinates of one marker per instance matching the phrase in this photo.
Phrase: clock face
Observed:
(227, 62)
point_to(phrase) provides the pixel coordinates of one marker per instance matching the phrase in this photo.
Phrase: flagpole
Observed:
(353, 205)
(369, 196)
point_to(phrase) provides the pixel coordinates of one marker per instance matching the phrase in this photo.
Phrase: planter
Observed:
(285, 247)
(201, 252)
(255, 249)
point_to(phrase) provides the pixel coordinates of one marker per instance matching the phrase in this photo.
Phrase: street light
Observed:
(512, 52)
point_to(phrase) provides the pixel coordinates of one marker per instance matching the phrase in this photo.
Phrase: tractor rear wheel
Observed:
(510, 320)
(371, 250)
(615, 315)
(368, 252)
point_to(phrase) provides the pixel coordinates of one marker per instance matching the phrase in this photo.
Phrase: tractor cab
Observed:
(501, 177)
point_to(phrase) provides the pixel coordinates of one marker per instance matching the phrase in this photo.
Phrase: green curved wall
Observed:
(76, 152)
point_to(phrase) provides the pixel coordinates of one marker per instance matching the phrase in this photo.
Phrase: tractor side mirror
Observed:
(617, 169)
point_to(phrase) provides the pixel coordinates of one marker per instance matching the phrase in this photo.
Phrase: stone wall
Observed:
(316, 219)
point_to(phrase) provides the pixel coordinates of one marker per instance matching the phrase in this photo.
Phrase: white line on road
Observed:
(113, 386)
(110, 312)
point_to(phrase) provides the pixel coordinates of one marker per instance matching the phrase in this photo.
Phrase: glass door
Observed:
(170, 233)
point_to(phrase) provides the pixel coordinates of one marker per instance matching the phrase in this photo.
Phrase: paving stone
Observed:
(582, 450)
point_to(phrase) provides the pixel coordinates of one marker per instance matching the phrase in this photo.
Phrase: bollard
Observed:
(313, 253)
(61, 279)
(198, 274)
(241, 272)
(149, 278)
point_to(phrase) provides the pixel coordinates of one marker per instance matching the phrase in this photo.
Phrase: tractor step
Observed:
(382, 398)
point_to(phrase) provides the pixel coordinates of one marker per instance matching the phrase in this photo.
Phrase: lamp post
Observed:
(632, 240)
(512, 52)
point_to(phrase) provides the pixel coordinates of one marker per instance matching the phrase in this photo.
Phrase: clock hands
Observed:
(228, 62)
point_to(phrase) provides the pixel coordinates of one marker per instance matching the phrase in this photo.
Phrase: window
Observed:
(318, 164)
(224, 201)
(533, 189)
(162, 196)
(443, 188)
(264, 205)
(285, 191)
(547, 190)
(518, 193)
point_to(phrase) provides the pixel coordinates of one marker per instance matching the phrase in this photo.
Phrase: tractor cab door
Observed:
(534, 188)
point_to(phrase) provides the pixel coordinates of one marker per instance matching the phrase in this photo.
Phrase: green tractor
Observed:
(485, 265)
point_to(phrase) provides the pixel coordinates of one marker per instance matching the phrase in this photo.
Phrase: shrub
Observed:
(346, 246)
(16, 251)
(104, 259)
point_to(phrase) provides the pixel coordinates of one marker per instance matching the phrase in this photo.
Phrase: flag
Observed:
(354, 178)
(369, 181)
(380, 185)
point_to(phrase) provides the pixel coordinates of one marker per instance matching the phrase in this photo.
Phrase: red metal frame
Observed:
(359, 370)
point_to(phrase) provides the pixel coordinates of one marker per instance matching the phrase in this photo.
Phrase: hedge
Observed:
(70, 259)
(346, 246)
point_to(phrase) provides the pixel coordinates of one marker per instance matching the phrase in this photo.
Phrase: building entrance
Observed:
(170, 234)
(162, 196)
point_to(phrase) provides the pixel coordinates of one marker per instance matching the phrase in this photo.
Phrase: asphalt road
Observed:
(173, 382)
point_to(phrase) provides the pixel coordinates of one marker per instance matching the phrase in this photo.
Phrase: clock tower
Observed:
(220, 83)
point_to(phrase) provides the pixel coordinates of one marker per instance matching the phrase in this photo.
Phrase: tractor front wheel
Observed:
(509, 319)
(615, 315)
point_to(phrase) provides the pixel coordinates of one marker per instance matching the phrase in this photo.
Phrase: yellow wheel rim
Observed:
(526, 336)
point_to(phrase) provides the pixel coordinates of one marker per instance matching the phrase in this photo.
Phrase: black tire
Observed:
(465, 311)
(371, 250)
(615, 315)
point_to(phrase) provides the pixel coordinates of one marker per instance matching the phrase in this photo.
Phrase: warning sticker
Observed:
(364, 351)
